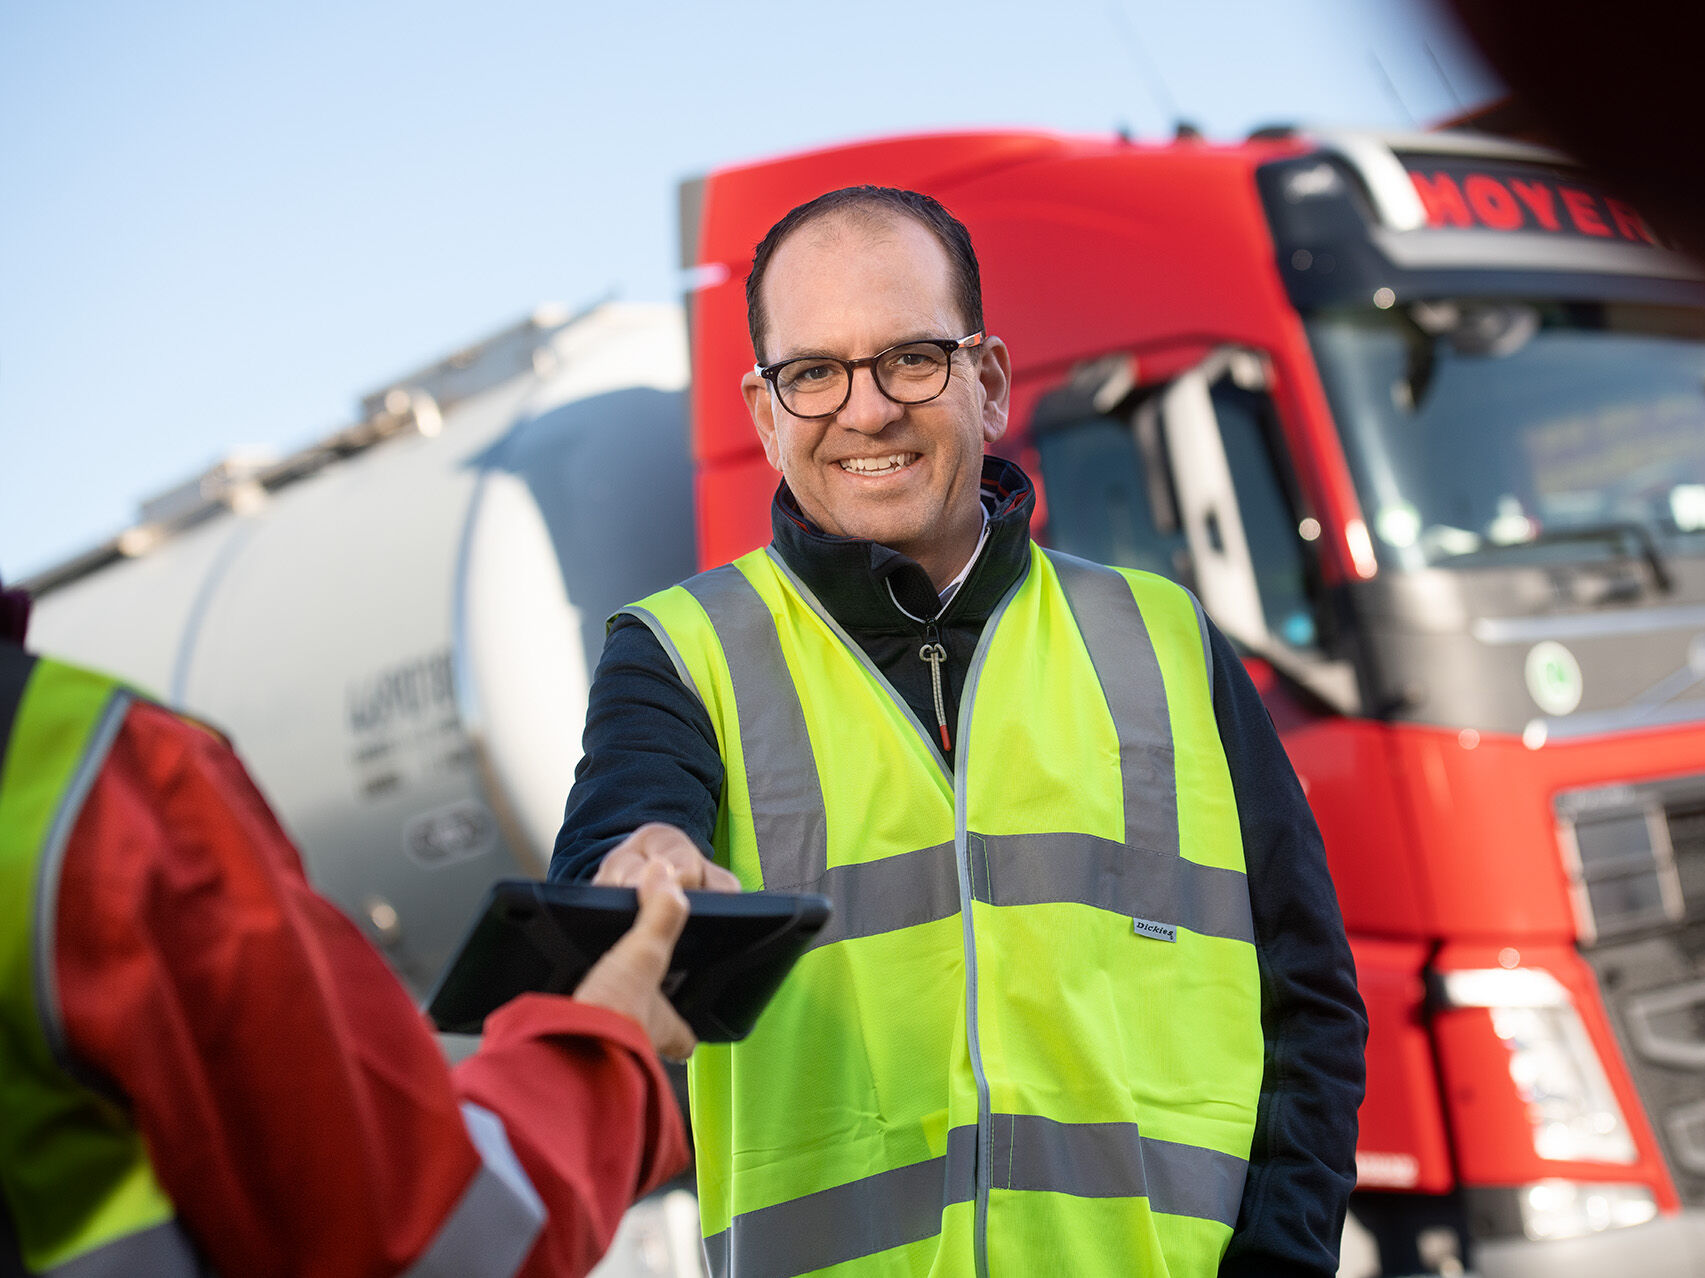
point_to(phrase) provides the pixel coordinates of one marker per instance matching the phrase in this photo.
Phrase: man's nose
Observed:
(867, 409)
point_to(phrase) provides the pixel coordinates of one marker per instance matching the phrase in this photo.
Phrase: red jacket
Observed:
(296, 1107)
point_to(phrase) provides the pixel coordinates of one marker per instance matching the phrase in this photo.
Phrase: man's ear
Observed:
(994, 375)
(761, 404)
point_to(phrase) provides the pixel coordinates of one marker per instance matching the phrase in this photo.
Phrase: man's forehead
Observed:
(869, 222)
(848, 241)
(870, 265)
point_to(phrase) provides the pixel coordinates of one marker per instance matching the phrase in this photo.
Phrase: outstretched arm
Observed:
(650, 775)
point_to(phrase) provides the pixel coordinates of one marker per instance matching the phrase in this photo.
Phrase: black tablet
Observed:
(533, 936)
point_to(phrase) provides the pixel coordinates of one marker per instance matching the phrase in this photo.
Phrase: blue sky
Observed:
(221, 224)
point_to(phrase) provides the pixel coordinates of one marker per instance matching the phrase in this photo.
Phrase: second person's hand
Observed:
(628, 979)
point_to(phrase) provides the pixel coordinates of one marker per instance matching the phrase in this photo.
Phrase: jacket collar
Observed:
(852, 576)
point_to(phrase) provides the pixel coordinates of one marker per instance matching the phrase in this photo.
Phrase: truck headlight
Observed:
(1553, 1064)
(1569, 1208)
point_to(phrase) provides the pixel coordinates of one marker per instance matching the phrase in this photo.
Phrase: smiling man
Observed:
(1085, 1006)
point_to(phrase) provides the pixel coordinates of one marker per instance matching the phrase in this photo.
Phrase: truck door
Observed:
(1189, 479)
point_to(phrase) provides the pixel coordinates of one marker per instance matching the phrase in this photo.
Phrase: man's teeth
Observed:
(877, 465)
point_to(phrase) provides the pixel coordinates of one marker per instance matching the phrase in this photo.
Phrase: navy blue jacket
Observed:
(651, 755)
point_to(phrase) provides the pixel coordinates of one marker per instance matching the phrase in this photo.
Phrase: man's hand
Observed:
(625, 862)
(629, 976)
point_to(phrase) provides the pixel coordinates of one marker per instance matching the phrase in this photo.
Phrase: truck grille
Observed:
(1641, 906)
(1687, 836)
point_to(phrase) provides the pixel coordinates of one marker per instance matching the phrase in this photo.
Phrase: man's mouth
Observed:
(877, 465)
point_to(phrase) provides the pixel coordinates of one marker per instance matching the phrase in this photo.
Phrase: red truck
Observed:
(1422, 422)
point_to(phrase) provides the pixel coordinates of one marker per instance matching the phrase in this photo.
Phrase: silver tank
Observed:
(396, 625)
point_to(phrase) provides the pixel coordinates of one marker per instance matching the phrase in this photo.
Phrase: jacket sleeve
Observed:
(1302, 1164)
(296, 1107)
(649, 754)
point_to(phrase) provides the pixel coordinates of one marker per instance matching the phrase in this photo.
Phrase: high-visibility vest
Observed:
(75, 1180)
(1029, 1040)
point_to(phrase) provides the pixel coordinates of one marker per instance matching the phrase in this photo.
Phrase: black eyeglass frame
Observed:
(947, 346)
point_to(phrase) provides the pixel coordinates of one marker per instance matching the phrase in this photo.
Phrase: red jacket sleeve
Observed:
(296, 1106)
(587, 1107)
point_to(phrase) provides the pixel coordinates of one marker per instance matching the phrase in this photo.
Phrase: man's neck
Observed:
(954, 560)
(947, 589)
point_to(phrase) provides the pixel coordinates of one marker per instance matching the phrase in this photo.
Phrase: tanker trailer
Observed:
(396, 624)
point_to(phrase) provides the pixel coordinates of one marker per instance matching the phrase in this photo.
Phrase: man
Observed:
(1044, 1032)
(205, 1067)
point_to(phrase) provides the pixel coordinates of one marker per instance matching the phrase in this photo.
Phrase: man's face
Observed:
(905, 475)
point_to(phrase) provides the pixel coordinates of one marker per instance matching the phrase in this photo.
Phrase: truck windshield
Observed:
(1485, 432)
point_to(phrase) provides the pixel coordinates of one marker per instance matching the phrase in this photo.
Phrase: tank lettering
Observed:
(409, 691)
(405, 730)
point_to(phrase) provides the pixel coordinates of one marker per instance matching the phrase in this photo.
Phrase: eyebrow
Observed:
(819, 353)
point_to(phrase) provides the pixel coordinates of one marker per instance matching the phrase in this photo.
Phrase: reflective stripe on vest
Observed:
(160, 1251)
(75, 1173)
(894, 1208)
(959, 913)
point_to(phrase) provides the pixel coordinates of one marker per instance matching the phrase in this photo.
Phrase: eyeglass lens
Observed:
(908, 374)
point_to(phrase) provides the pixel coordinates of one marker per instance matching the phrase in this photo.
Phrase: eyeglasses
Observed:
(910, 373)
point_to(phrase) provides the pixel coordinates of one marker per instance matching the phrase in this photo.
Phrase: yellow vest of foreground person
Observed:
(1029, 1040)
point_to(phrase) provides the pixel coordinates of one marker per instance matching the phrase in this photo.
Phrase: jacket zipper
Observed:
(935, 654)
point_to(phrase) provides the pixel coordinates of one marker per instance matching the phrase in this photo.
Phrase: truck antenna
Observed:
(1147, 72)
(1455, 97)
(1391, 88)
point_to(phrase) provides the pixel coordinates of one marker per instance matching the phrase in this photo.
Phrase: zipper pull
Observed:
(935, 654)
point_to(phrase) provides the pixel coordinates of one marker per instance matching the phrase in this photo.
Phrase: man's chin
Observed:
(879, 521)
(885, 529)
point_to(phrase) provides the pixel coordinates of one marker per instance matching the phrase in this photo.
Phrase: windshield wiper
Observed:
(1619, 532)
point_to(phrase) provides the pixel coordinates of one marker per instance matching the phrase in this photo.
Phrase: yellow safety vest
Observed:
(1029, 1040)
(74, 1173)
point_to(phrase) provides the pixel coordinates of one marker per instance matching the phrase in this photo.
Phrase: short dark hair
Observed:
(870, 203)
